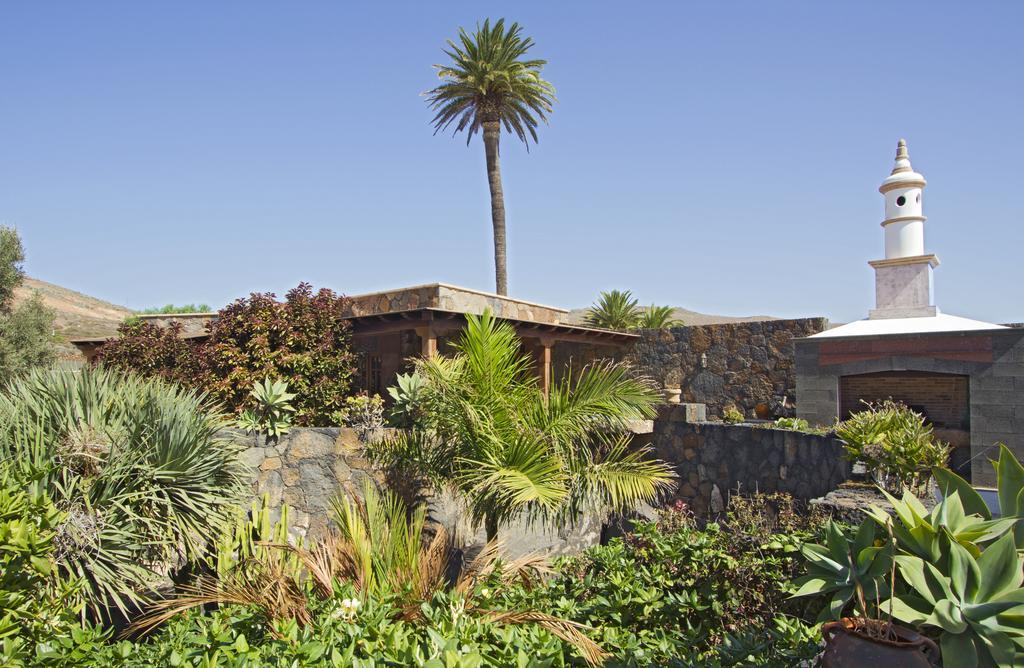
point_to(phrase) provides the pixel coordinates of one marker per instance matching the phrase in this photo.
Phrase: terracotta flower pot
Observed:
(851, 643)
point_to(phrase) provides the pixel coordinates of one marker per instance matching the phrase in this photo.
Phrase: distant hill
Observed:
(78, 315)
(685, 316)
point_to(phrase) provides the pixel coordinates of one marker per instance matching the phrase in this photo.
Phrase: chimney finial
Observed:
(902, 158)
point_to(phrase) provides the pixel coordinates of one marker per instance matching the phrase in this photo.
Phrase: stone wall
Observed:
(307, 466)
(304, 468)
(749, 365)
(713, 460)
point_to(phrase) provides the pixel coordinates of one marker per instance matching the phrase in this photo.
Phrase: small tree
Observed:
(490, 434)
(26, 330)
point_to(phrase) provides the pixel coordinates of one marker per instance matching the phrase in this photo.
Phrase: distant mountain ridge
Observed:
(687, 317)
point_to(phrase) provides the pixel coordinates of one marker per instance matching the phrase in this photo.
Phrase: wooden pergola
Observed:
(432, 323)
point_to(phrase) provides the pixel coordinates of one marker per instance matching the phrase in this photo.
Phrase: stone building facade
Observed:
(748, 365)
(969, 383)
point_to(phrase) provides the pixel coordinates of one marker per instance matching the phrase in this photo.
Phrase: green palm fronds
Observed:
(657, 317)
(488, 79)
(495, 438)
(614, 310)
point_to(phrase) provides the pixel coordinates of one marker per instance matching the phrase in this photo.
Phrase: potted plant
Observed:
(856, 572)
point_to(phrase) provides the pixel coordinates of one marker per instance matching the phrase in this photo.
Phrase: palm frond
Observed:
(614, 310)
(488, 78)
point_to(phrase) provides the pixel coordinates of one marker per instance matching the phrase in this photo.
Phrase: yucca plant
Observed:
(920, 532)
(492, 436)
(1010, 488)
(134, 464)
(657, 317)
(975, 601)
(848, 570)
(614, 310)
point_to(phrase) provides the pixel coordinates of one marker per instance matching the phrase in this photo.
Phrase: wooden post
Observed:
(545, 364)
(428, 338)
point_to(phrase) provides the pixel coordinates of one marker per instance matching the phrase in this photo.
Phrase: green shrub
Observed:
(895, 443)
(135, 467)
(672, 594)
(154, 351)
(732, 415)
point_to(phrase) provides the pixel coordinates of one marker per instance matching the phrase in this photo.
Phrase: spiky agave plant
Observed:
(614, 310)
(136, 466)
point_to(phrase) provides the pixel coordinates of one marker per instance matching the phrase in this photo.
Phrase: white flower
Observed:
(485, 592)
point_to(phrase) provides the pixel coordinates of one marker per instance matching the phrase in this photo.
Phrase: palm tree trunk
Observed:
(491, 527)
(492, 133)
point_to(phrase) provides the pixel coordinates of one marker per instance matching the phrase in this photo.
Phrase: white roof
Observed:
(921, 325)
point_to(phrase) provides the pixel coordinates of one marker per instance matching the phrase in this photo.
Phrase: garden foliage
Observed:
(954, 573)
(490, 434)
(134, 468)
(305, 339)
(895, 443)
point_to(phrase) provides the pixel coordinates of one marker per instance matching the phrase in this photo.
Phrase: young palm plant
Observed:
(491, 435)
(657, 317)
(614, 310)
(490, 83)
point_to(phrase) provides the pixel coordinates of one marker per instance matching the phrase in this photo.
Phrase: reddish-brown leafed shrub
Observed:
(152, 350)
(304, 340)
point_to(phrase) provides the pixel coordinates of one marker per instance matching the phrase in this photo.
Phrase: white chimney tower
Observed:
(903, 280)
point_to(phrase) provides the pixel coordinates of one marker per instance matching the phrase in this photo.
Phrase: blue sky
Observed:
(721, 156)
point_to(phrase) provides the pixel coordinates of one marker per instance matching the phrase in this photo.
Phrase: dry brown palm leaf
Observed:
(260, 584)
(563, 629)
(527, 569)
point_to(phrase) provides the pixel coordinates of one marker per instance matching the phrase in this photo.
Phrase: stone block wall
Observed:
(304, 468)
(714, 459)
(992, 359)
(749, 365)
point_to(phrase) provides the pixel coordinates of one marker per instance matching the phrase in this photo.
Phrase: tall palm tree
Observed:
(491, 435)
(487, 84)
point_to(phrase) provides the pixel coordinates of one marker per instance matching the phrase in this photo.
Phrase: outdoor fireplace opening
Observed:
(943, 398)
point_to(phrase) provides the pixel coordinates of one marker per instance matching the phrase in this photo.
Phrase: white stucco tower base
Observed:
(903, 280)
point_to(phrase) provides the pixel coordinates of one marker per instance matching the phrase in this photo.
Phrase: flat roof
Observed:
(449, 286)
(921, 325)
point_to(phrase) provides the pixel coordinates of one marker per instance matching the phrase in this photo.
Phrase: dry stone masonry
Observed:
(714, 460)
(748, 365)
